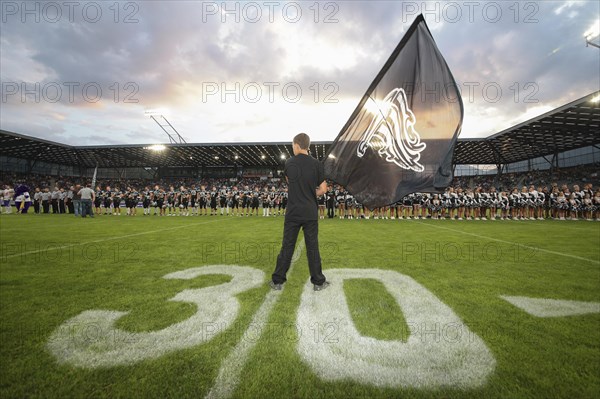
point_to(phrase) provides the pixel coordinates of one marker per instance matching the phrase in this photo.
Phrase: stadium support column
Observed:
(550, 162)
(30, 165)
(499, 160)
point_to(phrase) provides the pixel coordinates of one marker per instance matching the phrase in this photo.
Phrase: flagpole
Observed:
(94, 177)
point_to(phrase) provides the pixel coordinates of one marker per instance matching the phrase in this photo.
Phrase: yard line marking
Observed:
(109, 239)
(546, 307)
(231, 368)
(511, 242)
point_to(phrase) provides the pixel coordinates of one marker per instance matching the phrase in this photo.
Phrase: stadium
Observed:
(487, 287)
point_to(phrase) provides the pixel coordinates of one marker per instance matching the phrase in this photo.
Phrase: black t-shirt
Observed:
(304, 175)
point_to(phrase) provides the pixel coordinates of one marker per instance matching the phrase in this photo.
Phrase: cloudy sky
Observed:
(85, 73)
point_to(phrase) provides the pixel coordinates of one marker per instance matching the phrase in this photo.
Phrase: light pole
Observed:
(592, 34)
(158, 117)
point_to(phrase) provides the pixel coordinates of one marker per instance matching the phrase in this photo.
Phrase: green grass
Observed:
(380, 302)
(53, 267)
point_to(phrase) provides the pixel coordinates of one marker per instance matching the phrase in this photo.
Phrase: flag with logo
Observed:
(400, 138)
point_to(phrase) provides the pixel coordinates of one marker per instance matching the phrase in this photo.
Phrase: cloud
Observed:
(169, 53)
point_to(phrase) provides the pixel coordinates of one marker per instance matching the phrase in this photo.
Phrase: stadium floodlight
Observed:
(236, 157)
(596, 99)
(592, 33)
(156, 112)
(282, 156)
(156, 147)
(262, 156)
(216, 157)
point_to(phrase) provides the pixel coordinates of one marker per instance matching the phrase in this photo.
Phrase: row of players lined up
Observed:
(171, 201)
(527, 203)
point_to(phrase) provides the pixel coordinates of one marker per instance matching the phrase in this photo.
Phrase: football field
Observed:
(179, 307)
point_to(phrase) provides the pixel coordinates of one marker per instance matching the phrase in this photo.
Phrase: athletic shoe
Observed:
(322, 286)
(275, 286)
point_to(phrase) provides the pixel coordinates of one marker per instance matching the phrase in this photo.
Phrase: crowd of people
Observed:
(268, 197)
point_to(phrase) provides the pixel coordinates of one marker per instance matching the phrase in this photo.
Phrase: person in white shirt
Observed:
(7, 196)
(37, 200)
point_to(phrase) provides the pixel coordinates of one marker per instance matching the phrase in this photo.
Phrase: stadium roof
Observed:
(571, 126)
(574, 125)
(142, 155)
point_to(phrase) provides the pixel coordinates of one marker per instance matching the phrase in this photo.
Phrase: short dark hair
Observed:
(302, 140)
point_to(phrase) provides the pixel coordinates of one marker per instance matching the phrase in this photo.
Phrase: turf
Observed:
(53, 267)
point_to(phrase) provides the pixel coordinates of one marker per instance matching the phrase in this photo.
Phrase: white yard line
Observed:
(511, 242)
(231, 368)
(546, 307)
(109, 239)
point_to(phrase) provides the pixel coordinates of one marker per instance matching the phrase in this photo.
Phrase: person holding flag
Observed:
(306, 182)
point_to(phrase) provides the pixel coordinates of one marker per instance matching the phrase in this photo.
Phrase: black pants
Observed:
(36, 206)
(54, 204)
(330, 209)
(311, 238)
(46, 206)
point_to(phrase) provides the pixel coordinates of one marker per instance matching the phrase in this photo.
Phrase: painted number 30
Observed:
(440, 351)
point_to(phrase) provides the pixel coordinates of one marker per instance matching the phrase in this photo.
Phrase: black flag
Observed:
(401, 137)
